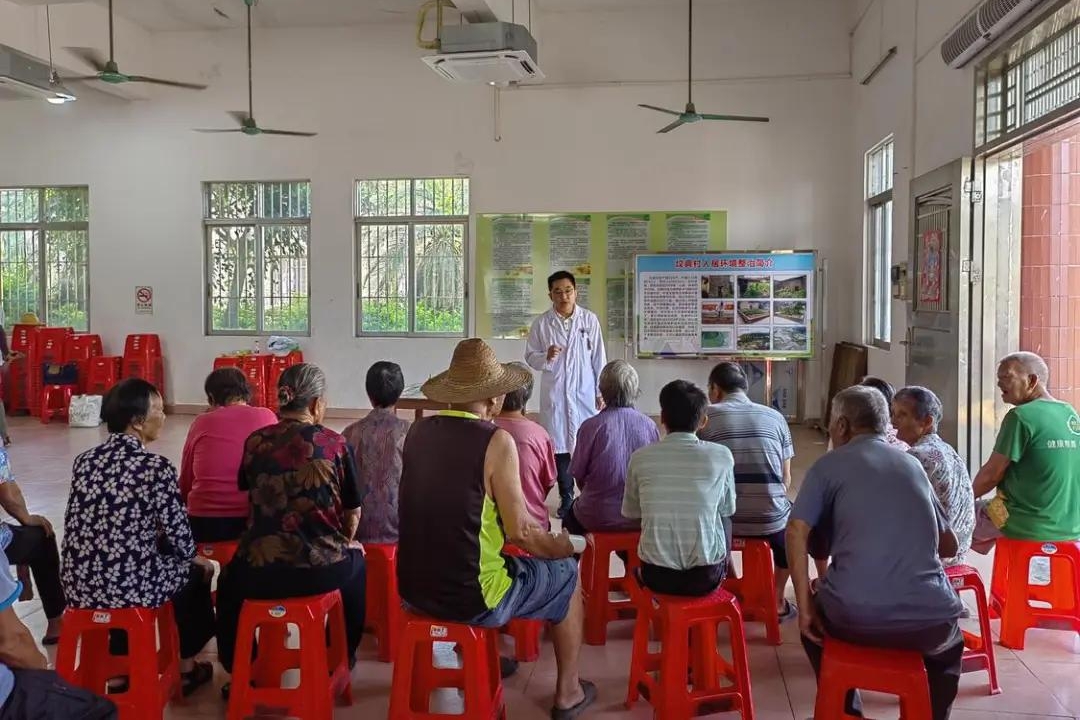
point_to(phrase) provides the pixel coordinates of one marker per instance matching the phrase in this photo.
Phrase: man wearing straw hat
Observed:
(460, 491)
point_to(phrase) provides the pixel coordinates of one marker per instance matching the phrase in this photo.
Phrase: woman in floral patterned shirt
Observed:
(127, 541)
(916, 413)
(305, 509)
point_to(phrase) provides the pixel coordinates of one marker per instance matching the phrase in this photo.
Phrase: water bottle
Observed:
(258, 347)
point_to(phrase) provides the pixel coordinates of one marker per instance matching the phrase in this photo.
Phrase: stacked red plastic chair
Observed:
(101, 374)
(277, 365)
(80, 349)
(254, 368)
(143, 359)
(47, 348)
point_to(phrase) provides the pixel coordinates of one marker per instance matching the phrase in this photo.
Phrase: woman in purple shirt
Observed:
(605, 443)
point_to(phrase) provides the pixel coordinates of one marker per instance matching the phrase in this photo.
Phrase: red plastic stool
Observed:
(221, 553)
(676, 618)
(597, 583)
(755, 589)
(978, 649)
(383, 602)
(324, 670)
(525, 633)
(1011, 595)
(48, 405)
(152, 669)
(415, 675)
(848, 667)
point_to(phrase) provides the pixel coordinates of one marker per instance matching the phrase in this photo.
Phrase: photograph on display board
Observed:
(789, 286)
(755, 286)
(789, 339)
(717, 312)
(718, 340)
(716, 287)
(789, 312)
(754, 311)
(754, 340)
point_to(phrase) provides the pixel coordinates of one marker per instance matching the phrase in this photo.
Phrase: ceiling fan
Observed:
(248, 126)
(690, 113)
(108, 71)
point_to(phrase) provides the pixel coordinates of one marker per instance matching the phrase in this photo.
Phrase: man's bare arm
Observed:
(17, 648)
(990, 474)
(504, 481)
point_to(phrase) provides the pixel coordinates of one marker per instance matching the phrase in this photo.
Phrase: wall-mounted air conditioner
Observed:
(981, 27)
(22, 76)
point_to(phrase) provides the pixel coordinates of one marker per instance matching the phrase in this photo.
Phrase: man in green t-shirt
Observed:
(1035, 465)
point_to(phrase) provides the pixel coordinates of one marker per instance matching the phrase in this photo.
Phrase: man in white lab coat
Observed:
(566, 345)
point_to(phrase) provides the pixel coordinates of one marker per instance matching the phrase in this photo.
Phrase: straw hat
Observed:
(29, 318)
(475, 374)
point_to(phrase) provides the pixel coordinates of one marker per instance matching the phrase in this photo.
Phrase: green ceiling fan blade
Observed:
(168, 83)
(659, 109)
(736, 118)
(672, 126)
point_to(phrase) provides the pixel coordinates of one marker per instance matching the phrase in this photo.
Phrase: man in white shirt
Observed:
(567, 346)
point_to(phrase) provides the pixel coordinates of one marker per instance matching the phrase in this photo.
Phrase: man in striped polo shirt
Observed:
(760, 441)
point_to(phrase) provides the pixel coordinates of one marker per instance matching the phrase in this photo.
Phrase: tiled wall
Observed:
(1050, 257)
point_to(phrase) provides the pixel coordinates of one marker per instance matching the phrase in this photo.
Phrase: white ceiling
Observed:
(171, 15)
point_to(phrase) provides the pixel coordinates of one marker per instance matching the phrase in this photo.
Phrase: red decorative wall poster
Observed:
(930, 267)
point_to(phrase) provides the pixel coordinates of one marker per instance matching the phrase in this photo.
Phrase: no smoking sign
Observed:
(144, 300)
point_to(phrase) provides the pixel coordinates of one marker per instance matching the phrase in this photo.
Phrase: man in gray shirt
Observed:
(886, 586)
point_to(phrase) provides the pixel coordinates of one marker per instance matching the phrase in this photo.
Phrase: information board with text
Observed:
(741, 304)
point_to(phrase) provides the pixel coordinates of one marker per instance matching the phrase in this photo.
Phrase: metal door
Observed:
(939, 303)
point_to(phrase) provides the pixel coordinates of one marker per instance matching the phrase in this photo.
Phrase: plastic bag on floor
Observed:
(85, 411)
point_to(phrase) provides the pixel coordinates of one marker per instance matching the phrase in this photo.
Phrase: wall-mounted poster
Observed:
(930, 267)
(746, 304)
(516, 253)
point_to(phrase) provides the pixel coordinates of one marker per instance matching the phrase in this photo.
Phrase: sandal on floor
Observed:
(202, 673)
(790, 611)
(572, 712)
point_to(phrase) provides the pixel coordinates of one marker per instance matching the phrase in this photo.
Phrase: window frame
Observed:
(42, 227)
(878, 265)
(410, 221)
(259, 222)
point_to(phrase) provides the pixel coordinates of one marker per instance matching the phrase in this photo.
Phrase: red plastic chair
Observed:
(978, 649)
(415, 675)
(525, 633)
(756, 587)
(142, 347)
(675, 619)
(49, 406)
(597, 583)
(101, 374)
(324, 670)
(848, 667)
(1011, 595)
(153, 670)
(254, 368)
(383, 602)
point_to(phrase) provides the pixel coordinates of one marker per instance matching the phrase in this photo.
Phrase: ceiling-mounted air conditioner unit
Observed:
(22, 75)
(494, 53)
(981, 27)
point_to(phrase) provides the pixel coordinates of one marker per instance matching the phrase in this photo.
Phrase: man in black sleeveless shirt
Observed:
(460, 492)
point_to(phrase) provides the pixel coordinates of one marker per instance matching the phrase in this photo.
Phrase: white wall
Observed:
(380, 112)
(927, 106)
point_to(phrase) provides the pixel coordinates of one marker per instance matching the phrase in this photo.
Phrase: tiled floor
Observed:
(1043, 681)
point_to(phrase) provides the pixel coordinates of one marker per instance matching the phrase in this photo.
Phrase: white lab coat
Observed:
(569, 385)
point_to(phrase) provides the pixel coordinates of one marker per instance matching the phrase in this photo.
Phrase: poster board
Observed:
(516, 253)
(741, 304)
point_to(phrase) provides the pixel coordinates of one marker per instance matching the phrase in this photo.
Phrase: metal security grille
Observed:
(931, 293)
(1033, 80)
(257, 245)
(44, 254)
(411, 242)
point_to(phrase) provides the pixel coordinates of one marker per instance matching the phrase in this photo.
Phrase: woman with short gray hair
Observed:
(605, 443)
(916, 413)
(305, 510)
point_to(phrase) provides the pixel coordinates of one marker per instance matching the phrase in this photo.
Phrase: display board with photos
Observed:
(740, 304)
(516, 253)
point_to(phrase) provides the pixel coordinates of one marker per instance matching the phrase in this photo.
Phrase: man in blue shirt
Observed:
(27, 688)
(885, 586)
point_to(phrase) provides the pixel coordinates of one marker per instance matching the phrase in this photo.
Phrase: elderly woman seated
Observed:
(605, 443)
(305, 509)
(127, 541)
(916, 412)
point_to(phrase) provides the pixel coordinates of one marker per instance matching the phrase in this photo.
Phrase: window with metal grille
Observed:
(878, 195)
(44, 254)
(1032, 80)
(411, 246)
(257, 248)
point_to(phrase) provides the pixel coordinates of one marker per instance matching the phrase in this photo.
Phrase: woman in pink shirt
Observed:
(536, 451)
(217, 508)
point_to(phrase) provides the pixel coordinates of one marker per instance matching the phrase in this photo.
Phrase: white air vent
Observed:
(502, 67)
(981, 27)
